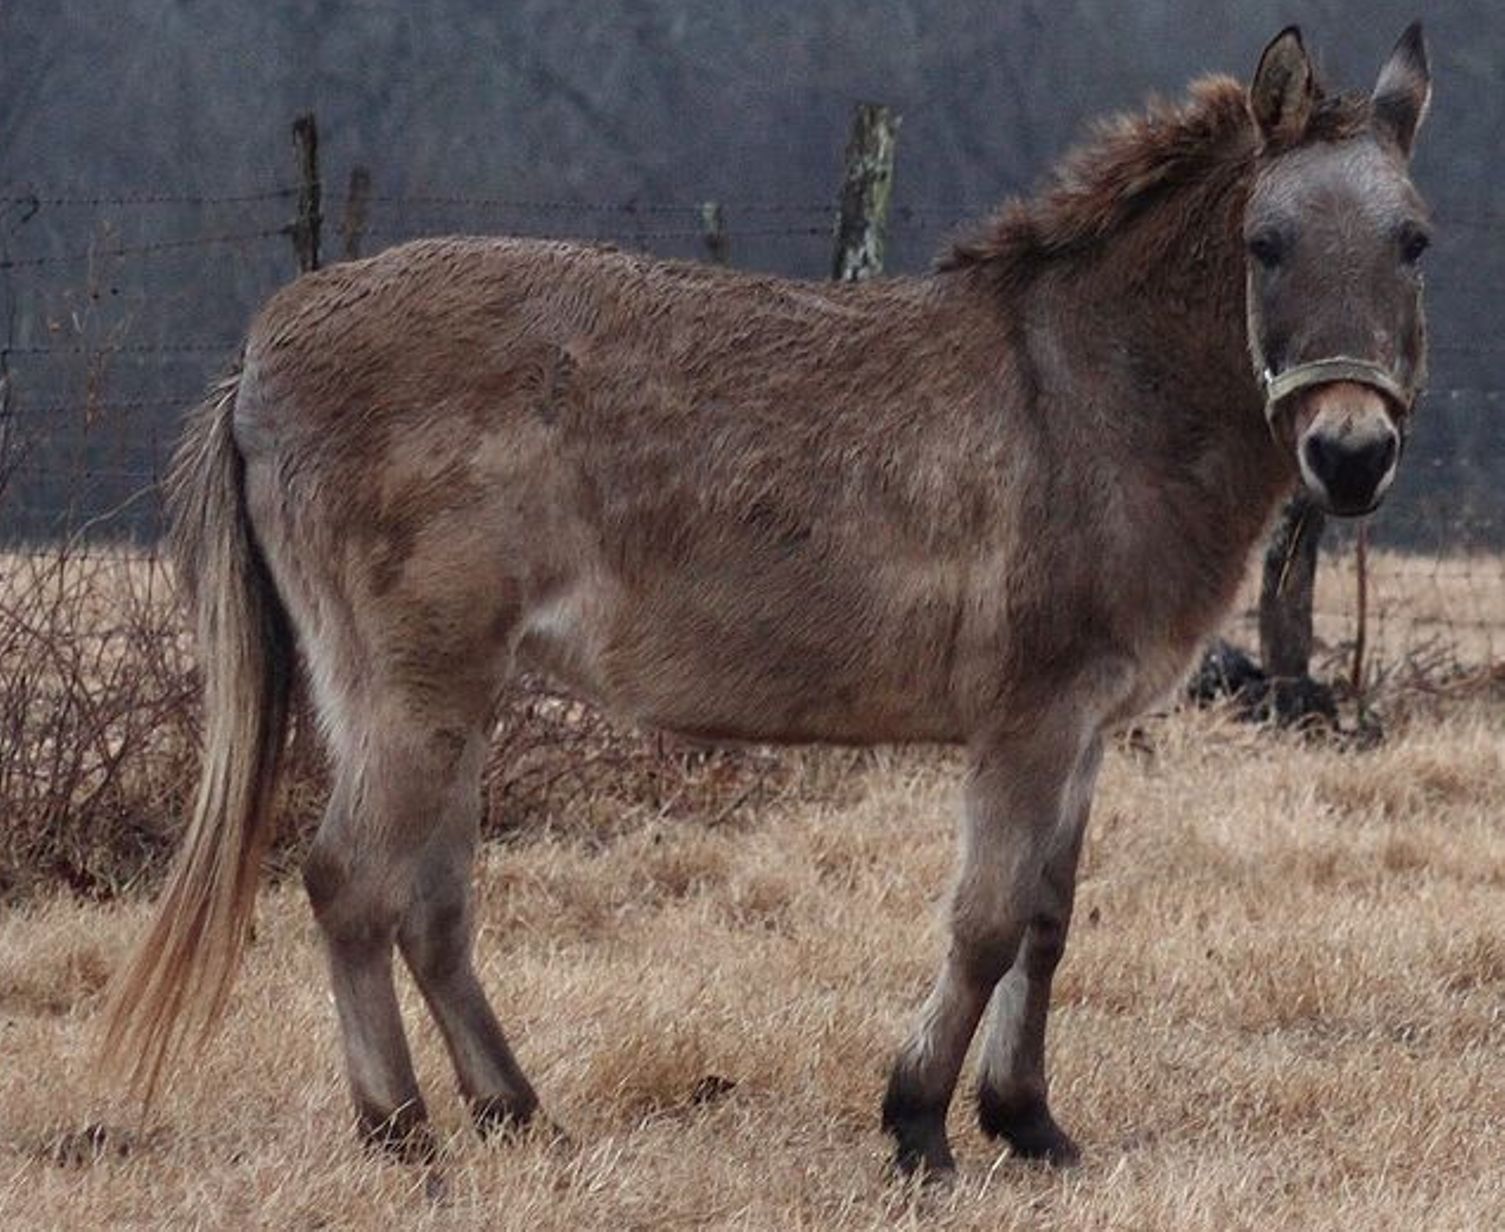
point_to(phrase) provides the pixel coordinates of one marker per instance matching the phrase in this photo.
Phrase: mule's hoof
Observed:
(919, 1134)
(404, 1135)
(1027, 1126)
(927, 1157)
(930, 1165)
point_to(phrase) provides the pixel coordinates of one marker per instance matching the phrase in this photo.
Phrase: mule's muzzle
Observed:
(1347, 446)
(1343, 415)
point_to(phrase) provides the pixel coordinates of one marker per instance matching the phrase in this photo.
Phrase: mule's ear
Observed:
(1284, 87)
(1404, 90)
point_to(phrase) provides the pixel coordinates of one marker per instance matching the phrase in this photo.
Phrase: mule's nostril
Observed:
(1318, 453)
(1351, 474)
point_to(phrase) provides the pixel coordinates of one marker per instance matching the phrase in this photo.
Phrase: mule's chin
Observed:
(1342, 508)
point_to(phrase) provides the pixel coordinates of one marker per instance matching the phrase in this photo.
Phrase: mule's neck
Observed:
(1138, 351)
(1164, 340)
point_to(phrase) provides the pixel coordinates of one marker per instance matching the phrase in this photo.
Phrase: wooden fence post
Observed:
(713, 232)
(353, 221)
(305, 228)
(1285, 596)
(865, 191)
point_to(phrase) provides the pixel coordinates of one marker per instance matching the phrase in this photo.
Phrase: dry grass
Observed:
(1284, 1005)
(1284, 1008)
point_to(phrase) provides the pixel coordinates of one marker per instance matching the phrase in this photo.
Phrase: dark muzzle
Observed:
(1349, 438)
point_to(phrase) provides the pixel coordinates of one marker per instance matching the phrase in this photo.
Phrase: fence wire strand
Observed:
(59, 199)
(141, 250)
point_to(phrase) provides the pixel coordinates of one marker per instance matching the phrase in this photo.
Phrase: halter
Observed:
(1324, 371)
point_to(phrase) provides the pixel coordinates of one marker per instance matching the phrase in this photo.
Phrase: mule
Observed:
(1000, 504)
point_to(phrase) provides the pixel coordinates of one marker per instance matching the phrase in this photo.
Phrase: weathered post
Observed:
(713, 232)
(1285, 597)
(353, 220)
(304, 229)
(866, 188)
(303, 749)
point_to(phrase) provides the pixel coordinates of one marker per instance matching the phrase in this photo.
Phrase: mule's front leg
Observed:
(1014, 805)
(1012, 1089)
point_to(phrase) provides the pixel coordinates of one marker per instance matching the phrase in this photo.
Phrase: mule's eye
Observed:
(1265, 247)
(1413, 242)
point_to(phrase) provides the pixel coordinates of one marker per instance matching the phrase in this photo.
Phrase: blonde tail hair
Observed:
(178, 979)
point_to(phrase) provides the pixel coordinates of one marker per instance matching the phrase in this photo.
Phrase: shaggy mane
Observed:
(1130, 162)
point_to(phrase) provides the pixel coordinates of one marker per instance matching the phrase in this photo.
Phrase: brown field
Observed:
(1284, 1005)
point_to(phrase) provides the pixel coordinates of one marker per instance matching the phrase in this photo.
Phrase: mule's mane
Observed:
(1131, 162)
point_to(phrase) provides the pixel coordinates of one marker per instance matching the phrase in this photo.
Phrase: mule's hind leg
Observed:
(436, 941)
(394, 777)
(1012, 1089)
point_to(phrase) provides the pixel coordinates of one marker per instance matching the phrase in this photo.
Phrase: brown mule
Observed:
(998, 505)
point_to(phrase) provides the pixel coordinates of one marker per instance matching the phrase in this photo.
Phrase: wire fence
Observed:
(121, 307)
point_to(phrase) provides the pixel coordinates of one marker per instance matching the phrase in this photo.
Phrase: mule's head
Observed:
(1335, 231)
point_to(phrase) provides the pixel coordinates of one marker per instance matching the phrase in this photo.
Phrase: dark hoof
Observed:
(927, 1157)
(1027, 1126)
(404, 1135)
(919, 1133)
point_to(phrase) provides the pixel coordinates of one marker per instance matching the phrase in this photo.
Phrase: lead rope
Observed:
(1291, 546)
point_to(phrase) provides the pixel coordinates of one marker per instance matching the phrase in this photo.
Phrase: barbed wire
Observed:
(85, 471)
(627, 237)
(148, 198)
(616, 236)
(1467, 216)
(524, 205)
(137, 250)
(125, 348)
(105, 404)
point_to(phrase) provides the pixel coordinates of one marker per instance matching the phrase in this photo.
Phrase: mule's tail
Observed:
(179, 977)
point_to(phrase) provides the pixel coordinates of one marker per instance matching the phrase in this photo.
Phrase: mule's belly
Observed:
(683, 659)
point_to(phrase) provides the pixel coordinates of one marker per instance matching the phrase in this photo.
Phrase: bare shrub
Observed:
(97, 718)
(559, 767)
